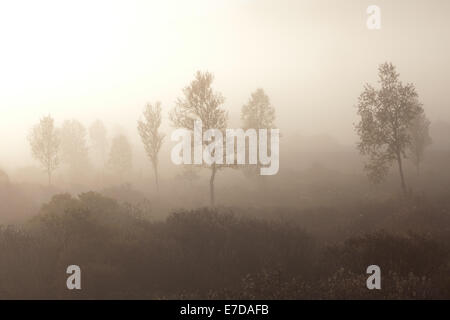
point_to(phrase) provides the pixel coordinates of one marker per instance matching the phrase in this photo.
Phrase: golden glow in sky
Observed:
(106, 59)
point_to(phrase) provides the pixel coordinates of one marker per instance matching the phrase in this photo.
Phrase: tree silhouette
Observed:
(420, 139)
(99, 140)
(74, 149)
(201, 102)
(386, 115)
(120, 156)
(44, 144)
(150, 136)
(257, 114)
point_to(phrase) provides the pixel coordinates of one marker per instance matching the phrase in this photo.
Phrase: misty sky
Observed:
(105, 59)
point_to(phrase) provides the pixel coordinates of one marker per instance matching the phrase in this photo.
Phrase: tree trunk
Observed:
(211, 184)
(402, 177)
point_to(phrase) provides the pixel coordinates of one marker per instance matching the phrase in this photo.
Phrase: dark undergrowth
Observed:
(227, 253)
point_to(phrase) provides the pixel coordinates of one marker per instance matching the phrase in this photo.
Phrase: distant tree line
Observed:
(53, 146)
(392, 127)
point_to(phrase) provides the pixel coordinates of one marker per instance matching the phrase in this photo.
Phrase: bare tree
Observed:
(257, 114)
(74, 149)
(420, 139)
(201, 102)
(150, 136)
(44, 144)
(99, 140)
(386, 115)
(120, 156)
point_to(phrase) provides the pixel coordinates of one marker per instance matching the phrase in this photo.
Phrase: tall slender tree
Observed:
(45, 144)
(152, 139)
(200, 101)
(386, 115)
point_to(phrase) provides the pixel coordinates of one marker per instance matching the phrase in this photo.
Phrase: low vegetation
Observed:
(225, 253)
